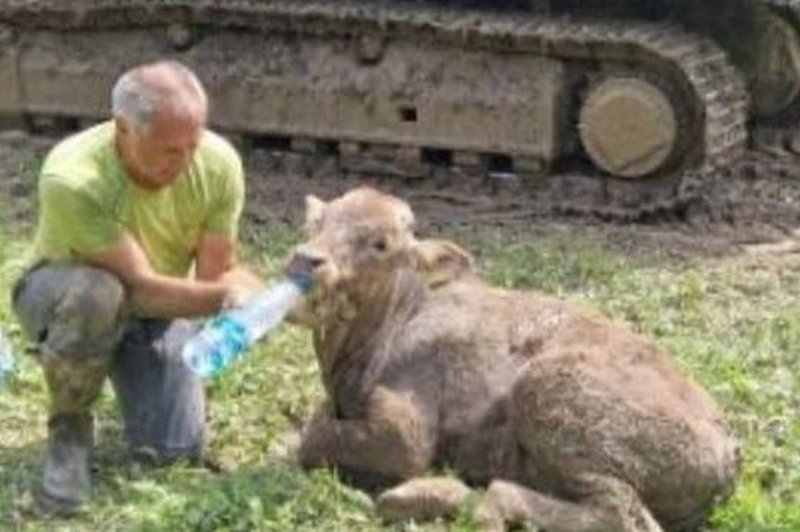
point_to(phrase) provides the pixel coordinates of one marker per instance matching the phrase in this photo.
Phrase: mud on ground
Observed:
(754, 209)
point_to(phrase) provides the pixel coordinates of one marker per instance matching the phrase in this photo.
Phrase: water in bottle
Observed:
(6, 358)
(227, 336)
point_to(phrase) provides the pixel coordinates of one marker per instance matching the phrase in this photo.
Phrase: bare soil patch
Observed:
(758, 202)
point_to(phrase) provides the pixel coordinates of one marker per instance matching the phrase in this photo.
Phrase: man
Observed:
(137, 226)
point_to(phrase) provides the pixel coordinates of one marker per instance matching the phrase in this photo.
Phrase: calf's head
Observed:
(356, 246)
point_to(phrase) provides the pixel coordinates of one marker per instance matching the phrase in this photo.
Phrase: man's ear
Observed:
(122, 125)
(315, 210)
(442, 261)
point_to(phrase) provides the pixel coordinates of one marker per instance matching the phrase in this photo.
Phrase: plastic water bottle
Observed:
(227, 336)
(6, 358)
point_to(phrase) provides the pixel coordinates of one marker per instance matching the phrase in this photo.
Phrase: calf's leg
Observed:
(423, 499)
(608, 505)
(393, 441)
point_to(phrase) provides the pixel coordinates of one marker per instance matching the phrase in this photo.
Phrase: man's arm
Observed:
(216, 261)
(216, 256)
(156, 295)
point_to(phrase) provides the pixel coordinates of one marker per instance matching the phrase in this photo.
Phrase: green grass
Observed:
(734, 325)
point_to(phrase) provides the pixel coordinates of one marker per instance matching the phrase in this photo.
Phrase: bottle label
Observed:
(234, 340)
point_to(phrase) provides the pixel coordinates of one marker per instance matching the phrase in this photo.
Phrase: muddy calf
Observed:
(573, 422)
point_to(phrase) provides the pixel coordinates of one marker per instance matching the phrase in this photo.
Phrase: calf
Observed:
(574, 422)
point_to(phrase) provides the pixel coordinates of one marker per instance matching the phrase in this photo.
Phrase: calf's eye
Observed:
(380, 245)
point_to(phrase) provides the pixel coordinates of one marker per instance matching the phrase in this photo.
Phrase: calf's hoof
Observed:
(488, 517)
(422, 499)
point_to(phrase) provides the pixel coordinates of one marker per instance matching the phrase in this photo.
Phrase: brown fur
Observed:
(580, 423)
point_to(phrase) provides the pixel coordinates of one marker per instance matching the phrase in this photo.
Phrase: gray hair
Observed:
(136, 98)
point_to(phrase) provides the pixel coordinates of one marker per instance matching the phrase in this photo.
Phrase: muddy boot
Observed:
(76, 315)
(65, 481)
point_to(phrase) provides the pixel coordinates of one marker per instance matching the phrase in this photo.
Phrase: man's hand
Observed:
(242, 286)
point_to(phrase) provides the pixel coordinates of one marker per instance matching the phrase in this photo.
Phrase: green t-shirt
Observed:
(87, 202)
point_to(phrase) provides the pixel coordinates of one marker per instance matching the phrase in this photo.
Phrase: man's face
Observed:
(159, 153)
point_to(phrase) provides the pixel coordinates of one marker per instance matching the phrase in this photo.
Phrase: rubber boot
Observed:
(65, 481)
(161, 399)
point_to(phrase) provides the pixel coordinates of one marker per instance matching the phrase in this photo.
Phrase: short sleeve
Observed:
(228, 200)
(71, 221)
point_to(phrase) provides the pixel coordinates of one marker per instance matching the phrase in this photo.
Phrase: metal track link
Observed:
(719, 94)
(775, 150)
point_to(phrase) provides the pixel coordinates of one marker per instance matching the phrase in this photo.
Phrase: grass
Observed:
(734, 325)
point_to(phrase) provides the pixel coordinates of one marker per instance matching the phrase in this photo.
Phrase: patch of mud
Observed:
(753, 210)
(757, 202)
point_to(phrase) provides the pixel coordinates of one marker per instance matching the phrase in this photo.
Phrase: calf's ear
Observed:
(315, 210)
(441, 261)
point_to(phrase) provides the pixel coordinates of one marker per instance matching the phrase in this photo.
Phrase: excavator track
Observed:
(710, 99)
(776, 138)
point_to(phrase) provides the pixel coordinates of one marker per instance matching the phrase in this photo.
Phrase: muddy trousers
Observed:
(76, 316)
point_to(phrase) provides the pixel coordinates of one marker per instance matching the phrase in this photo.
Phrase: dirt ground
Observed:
(754, 209)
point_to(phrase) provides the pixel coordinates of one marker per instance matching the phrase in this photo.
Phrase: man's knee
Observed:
(71, 310)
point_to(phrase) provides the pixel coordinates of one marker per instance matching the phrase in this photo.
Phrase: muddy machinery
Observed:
(613, 107)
